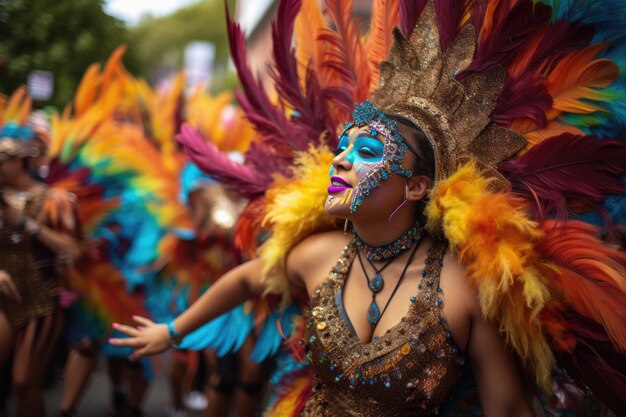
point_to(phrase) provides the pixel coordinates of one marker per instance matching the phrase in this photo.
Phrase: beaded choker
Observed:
(392, 249)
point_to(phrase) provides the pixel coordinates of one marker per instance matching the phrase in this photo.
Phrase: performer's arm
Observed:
(60, 243)
(497, 377)
(232, 289)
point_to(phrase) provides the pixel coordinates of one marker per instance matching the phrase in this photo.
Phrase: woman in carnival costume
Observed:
(463, 182)
(39, 231)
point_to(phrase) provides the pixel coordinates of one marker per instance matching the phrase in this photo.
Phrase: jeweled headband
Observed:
(16, 140)
(366, 114)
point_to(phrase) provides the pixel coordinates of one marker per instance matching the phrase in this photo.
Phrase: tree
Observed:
(161, 41)
(61, 36)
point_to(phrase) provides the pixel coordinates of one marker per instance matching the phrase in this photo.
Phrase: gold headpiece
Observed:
(418, 82)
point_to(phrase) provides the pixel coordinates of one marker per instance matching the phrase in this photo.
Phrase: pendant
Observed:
(373, 313)
(376, 283)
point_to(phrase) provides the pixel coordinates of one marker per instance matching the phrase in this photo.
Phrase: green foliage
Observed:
(61, 36)
(161, 41)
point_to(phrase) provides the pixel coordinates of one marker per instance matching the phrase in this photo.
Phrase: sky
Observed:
(131, 11)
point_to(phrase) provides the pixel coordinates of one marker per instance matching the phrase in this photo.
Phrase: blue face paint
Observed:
(388, 160)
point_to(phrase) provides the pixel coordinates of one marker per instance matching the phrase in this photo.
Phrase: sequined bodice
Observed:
(408, 371)
(24, 259)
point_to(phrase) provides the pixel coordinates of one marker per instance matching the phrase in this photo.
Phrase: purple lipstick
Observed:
(337, 185)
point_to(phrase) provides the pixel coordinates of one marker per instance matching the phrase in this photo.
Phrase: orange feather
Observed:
(590, 275)
(576, 77)
(344, 63)
(309, 51)
(87, 89)
(380, 40)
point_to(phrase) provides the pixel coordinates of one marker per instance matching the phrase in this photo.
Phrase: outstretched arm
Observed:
(232, 289)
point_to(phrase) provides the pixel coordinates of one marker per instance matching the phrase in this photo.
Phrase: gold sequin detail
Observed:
(402, 373)
(418, 81)
(16, 257)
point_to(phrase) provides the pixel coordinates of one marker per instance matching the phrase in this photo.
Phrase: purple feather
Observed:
(526, 96)
(448, 15)
(269, 121)
(512, 24)
(566, 170)
(408, 14)
(242, 179)
(311, 116)
(564, 37)
(595, 362)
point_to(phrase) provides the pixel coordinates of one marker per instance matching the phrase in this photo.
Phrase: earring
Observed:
(345, 227)
(406, 200)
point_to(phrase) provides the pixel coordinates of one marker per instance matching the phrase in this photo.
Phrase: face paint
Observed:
(392, 158)
(363, 151)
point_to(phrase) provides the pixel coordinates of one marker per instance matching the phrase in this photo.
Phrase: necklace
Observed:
(375, 284)
(391, 250)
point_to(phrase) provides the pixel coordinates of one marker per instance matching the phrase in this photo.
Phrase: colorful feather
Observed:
(590, 275)
(383, 20)
(566, 169)
(574, 81)
(207, 157)
(344, 61)
(408, 13)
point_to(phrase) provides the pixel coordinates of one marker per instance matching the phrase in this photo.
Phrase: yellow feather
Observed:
(295, 210)
(287, 403)
(495, 239)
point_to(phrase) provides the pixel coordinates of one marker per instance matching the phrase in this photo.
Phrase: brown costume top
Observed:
(30, 264)
(409, 371)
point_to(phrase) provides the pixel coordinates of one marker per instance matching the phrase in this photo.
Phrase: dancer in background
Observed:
(38, 228)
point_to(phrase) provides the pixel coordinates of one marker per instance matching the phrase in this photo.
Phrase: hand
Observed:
(148, 338)
(7, 286)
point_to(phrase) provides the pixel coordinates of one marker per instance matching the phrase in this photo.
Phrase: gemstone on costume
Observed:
(373, 314)
(376, 282)
(406, 349)
(321, 325)
(413, 299)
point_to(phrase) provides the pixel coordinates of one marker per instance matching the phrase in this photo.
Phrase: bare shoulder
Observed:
(461, 306)
(454, 278)
(314, 256)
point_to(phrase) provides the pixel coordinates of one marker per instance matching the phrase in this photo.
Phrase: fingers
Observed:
(143, 321)
(128, 330)
(133, 342)
(138, 354)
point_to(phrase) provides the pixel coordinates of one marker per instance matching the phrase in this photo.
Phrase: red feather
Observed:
(506, 27)
(595, 362)
(449, 14)
(269, 120)
(567, 170)
(524, 97)
(344, 60)
(310, 117)
(590, 275)
(409, 12)
(547, 46)
(242, 179)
